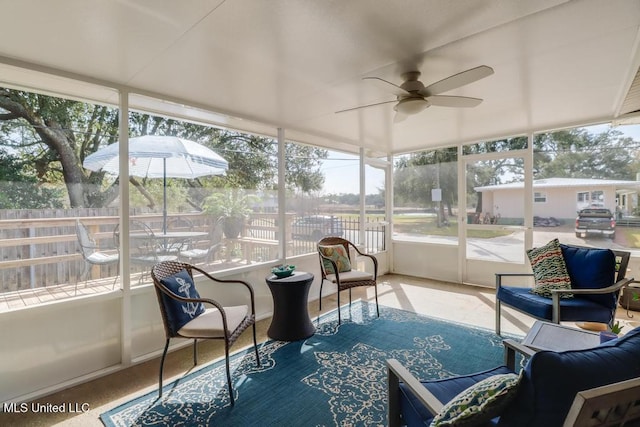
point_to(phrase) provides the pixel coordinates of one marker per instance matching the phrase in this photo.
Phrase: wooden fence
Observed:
(39, 248)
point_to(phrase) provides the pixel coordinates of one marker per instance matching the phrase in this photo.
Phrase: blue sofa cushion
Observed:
(591, 268)
(571, 309)
(415, 414)
(551, 379)
(179, 313)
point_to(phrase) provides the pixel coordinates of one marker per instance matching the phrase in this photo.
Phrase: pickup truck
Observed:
(596, 221)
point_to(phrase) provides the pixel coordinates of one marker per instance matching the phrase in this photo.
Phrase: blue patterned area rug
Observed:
(337, 377)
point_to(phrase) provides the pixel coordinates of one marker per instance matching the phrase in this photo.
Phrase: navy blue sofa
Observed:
(597, 276)
(547, 388)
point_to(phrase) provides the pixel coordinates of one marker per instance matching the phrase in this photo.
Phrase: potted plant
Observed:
(630, 298)
(232, 205)
(612, 334)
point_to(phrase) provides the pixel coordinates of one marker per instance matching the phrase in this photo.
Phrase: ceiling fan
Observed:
(413, 97)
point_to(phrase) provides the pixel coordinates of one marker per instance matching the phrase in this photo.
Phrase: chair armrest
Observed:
(510, 349)
(513, 274)
(209, 276)
(555, 294)
(373, 259)
(230, 281)
(609, 289)
(618, 398)
(398, 373)
(499, 277)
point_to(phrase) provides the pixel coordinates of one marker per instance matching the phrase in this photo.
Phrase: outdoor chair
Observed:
(207, 254)
(185, 314)
(336, 267)
(596, 277)
(92, 255)
(144, 246)
(173, 247)
(599, 384)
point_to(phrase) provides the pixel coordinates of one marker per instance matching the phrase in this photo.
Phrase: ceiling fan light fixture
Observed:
(412, 97)
(412, 105)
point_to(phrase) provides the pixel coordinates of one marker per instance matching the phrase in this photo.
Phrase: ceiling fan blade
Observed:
(365, 106)
(453, 101)
(457, 80)
(388, 86)
(400, 117)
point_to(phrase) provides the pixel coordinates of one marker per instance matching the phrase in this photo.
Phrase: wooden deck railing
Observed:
(43, 252)
(39, 252)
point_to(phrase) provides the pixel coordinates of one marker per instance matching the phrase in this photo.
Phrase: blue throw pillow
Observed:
(591, 268)
(179, 313)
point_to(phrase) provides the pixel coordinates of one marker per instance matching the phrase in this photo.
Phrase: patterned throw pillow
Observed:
(479, 403)
(549, 269)
(180, 313)
(339, 255)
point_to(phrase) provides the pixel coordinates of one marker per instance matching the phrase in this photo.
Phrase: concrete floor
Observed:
(459, 303)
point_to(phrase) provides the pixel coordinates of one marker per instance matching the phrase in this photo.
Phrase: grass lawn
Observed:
(428, 225)
(631, 236)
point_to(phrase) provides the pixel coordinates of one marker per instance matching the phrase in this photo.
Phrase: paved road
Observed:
(501, 249)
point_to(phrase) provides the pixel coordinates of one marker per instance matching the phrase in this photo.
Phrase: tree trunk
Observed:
(58, 142)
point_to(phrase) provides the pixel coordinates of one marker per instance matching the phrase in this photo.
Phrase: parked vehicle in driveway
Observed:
(595, 221)
(316, 227)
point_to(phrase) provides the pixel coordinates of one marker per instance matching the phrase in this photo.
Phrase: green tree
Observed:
(571, 153)
(416, 175)
(20, 189)
(578, 153)
(55, 135)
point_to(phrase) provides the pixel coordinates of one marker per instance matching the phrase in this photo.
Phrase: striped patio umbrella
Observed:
(155, 156)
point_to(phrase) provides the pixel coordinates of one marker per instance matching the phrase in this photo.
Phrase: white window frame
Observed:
(584, 199)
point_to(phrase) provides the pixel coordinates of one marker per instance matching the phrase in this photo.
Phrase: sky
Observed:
(342, 172)
(342, 175)
(632, 131)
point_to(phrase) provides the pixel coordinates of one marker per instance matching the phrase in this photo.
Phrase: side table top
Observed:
(551, 336)
(297, 276)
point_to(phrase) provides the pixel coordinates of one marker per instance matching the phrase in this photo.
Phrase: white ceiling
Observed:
(263, 64)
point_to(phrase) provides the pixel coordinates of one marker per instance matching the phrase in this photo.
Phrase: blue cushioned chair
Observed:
(546, 391)
(597, 275)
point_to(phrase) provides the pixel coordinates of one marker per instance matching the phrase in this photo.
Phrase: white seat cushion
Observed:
(351, 276)
(101, 258)
(194, 253)
(209, 323)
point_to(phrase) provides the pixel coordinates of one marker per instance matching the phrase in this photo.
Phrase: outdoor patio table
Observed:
(552, 336)
(176, 235)
(163, 240)
(290, 320)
